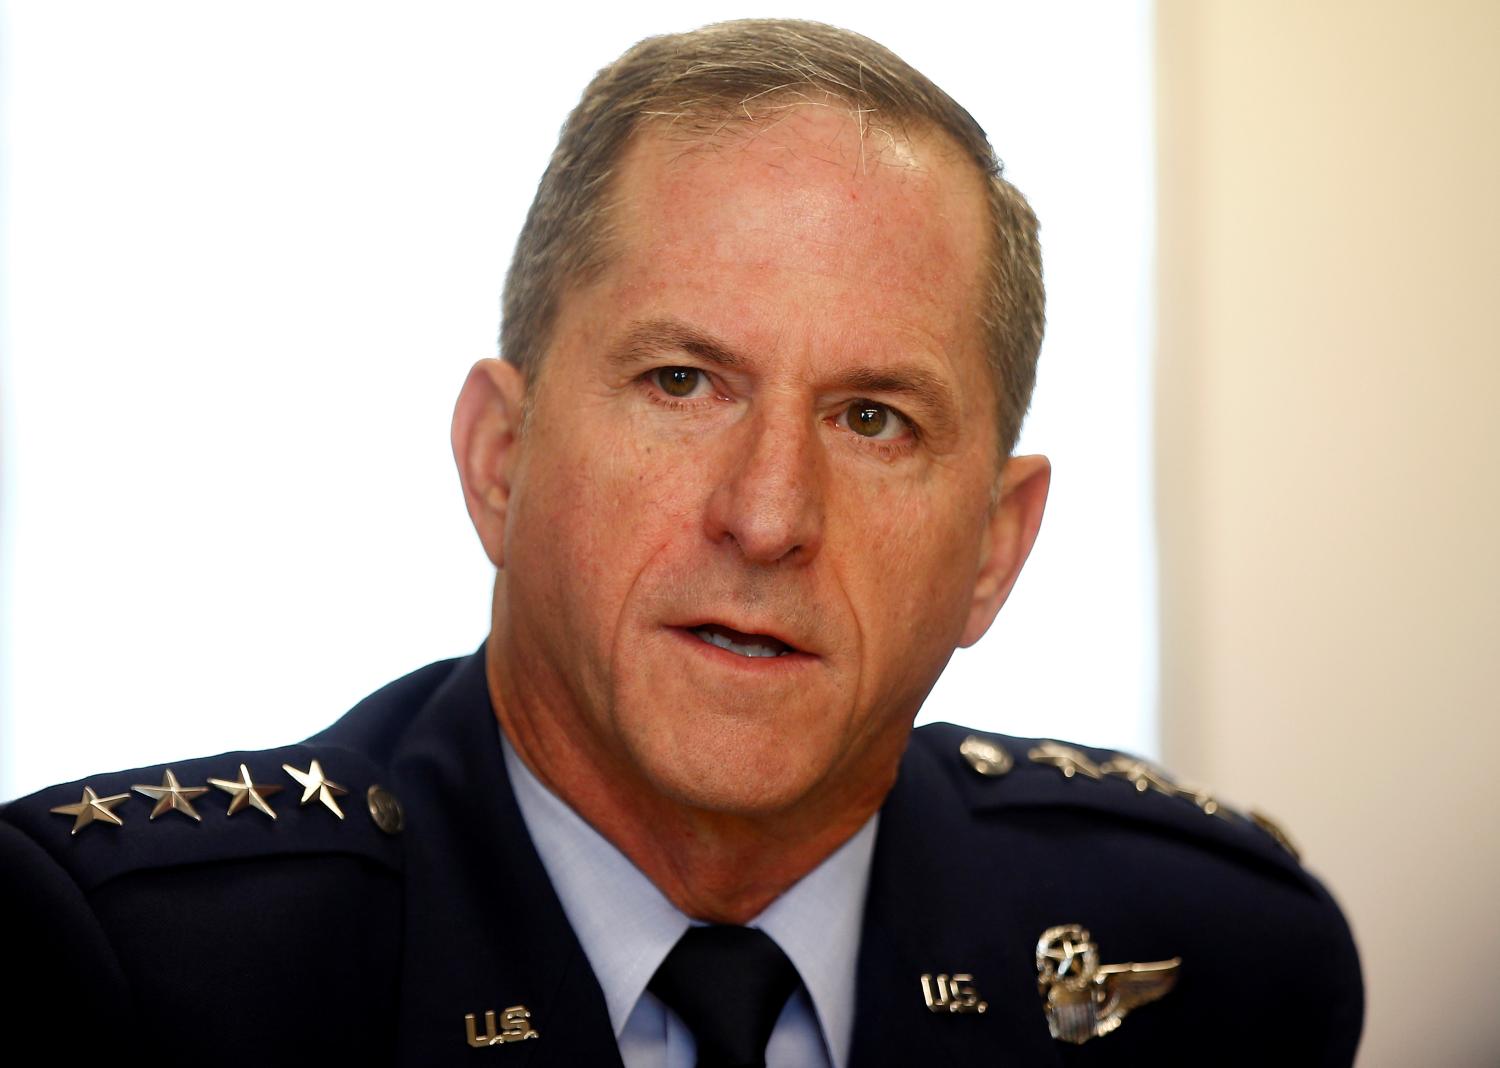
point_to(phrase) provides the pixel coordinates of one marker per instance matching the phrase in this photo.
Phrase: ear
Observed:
(1009, 535)
(486, 424)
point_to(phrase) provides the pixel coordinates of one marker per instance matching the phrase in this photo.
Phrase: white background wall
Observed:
(250, 252)
(1329, 435)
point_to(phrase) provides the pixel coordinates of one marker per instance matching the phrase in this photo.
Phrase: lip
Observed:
(746, 628)
(793, 659)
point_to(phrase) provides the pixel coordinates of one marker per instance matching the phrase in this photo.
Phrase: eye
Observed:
(680, 382)
(873, 420)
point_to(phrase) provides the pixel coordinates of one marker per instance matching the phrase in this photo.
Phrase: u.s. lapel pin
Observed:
(514, 1025)
(951, 993)
(1084, 999)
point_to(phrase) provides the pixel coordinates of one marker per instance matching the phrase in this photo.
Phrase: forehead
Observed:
(876, 229)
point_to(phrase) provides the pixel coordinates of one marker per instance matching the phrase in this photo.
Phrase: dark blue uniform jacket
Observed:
(242, 940)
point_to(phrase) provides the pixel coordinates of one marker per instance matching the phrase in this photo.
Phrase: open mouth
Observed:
(734, 641)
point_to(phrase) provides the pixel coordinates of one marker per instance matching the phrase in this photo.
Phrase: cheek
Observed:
(604, 504)
(909, 562)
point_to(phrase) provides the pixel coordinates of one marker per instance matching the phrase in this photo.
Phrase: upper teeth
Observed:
(754, 647)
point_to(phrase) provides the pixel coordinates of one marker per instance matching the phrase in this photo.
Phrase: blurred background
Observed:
(250, 252)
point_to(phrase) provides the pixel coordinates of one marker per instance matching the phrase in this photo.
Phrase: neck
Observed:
(720, 867)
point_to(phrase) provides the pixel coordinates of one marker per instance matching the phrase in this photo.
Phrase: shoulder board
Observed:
(301, 799)
(994, 771)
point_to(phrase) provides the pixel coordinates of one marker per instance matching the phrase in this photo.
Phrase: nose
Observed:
(770, 501)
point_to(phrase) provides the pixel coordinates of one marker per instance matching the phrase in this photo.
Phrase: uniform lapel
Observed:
(483, 928)
(935, 908)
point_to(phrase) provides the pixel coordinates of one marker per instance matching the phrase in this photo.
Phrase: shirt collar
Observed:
(817, 923)
(627, 932)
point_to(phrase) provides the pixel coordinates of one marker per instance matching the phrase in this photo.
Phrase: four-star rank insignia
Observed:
(172, 796)
(1141, 774)
(1085, 999)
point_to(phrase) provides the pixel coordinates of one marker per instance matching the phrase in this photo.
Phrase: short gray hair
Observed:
(709, 75)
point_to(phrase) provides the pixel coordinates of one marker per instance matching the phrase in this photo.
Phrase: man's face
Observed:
(749, 507)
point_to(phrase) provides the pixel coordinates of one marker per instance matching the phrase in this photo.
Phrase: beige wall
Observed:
(1329, 469)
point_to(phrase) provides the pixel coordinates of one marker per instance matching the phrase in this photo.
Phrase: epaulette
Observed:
(301, 799)
(995, 772)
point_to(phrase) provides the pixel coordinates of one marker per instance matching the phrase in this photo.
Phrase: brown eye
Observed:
(678, 381)
(867, 419)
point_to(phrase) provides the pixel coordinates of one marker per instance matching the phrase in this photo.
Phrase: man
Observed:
(746, 476)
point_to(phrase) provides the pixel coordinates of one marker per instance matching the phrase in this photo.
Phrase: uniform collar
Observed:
(482, 930)
(627, 932)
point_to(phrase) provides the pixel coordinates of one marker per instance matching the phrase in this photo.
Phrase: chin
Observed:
(719, 764)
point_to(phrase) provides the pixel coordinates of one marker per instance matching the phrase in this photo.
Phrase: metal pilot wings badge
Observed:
(1085, 999)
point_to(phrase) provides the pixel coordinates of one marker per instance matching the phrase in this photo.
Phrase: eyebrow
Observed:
(649, 338)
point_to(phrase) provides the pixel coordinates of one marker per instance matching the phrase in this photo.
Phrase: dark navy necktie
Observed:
(729, 984)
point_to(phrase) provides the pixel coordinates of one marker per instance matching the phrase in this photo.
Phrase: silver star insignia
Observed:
(171, 795)
(92, 807)
(245, 792)
(314, 784)
(1065, 759)
(1140, 774)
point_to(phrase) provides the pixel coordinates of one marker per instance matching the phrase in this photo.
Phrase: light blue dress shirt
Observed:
(627, 926)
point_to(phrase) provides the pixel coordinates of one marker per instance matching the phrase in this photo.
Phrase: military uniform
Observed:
(387, 936)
